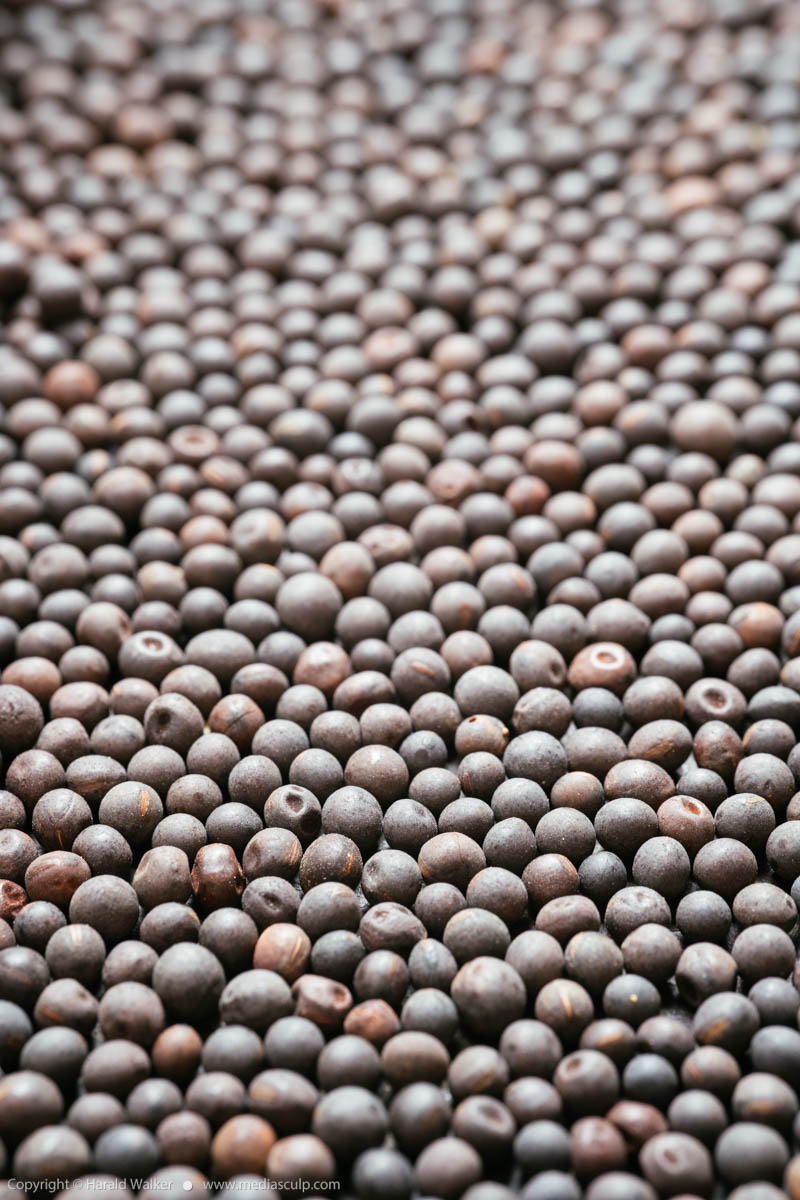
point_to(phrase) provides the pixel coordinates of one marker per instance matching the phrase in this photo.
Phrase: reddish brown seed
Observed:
(242, 1145)
(283, 948)
(56, 877)
(217, 877)
(323, 1001)
(176, 1052)
(373, 1020)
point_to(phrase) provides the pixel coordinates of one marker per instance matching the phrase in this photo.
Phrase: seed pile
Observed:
(400, 597)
